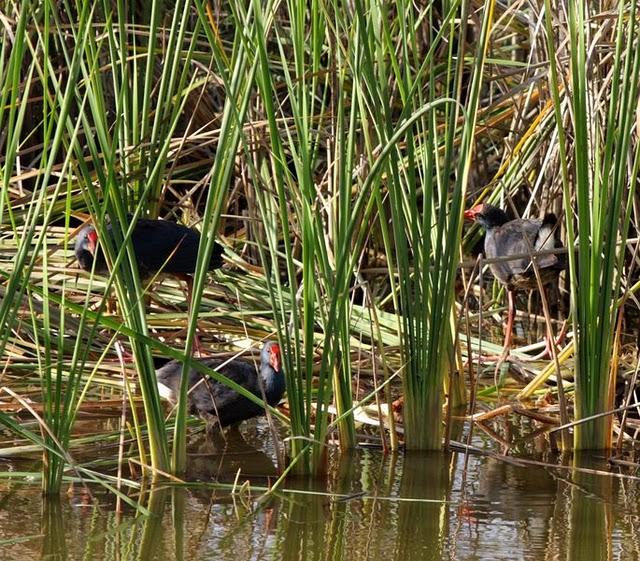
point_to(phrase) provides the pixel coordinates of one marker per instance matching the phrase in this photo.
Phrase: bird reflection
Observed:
(219, 456)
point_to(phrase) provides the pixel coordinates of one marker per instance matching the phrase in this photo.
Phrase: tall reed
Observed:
(596, 100)
(330, 212)
(423, 241)
(293, 207)
(238, 80)
(346, 135)
(60, 388)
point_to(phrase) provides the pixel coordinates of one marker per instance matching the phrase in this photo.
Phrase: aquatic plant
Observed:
(595, 99)
(330, 147)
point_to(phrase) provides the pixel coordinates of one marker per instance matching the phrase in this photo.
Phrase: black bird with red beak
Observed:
(520, 238)
(218, 404)
(159, 246)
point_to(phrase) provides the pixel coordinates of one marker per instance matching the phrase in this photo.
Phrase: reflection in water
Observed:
(178, 508)
(218, 458)
(303, 525)
(370, 507)
(591, 503)
(422, 526)
(53, 543)
(153, 528)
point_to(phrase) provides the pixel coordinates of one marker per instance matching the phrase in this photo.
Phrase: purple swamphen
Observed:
(159, 246)
(521, 238)
(218, 404)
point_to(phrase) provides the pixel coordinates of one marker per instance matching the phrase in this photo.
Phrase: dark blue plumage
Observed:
(159, 245)
(219, 404)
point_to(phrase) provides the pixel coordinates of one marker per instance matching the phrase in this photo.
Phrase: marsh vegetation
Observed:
(330, 149)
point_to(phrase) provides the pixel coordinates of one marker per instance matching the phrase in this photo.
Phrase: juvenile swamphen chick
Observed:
(218, 404)
(159, 245)
(522, 237)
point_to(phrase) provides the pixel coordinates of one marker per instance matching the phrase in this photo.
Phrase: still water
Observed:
(369, 507)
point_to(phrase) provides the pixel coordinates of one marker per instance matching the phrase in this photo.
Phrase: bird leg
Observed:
(213, 427)
(188, 279)
(549, 344)
(547, 340)
(508, 335)
(563, 333)
(124, 356)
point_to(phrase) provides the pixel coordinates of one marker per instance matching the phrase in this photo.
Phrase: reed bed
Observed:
(331, 148)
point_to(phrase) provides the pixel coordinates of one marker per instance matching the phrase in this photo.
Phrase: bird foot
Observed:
(503, 357)
(213, 428)
(124, 356)
(548, 352)
(197, 346)
(498, 360)
(485, 359)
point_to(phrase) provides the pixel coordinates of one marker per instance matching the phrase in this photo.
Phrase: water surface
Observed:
(369, 507)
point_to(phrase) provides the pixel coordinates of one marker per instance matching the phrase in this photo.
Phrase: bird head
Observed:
(86, 247)
(87, 240)
(488, 216)
(271, 356)
(92, 240)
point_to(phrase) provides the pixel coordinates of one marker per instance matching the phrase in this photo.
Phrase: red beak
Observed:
(275, 358)
(470, 214)
(92, 240)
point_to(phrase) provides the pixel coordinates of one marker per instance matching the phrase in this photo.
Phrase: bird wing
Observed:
(521, 237)
(546, 238)
(168, 377)
(210, 397)
(221, 400)
(161, 245)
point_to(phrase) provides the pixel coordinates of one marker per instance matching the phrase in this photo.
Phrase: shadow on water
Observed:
(369, 507)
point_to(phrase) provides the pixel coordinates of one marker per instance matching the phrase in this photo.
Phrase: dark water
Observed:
(370, 507)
